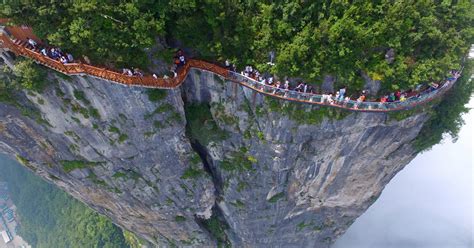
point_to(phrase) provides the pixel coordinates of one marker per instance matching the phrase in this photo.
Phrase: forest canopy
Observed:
(422, 39)
(51, 218)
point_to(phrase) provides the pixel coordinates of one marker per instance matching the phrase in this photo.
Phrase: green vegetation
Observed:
(310, 38)
(133, 241)
(93, 177)
(79, 95)
(195, 159)
(128, 174)
(302, 225)
(179, 218)
(70, 165)
(446, 117)
(302, 114)
(156, 95)
(114, 129)
(402, 115)
(217, 229)
(119, 174)
(276, 197)
(192, 172)
(238, 204)
(12, 82)
(51, 218)
(28, 75)
(241, 186)
(239, 161)
(122, 137)
(201, 126)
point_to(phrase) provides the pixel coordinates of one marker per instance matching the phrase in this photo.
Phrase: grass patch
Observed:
(158, 124)
(192, 172)
(195, 159)
(70, 165)
(94, 113)
(174, 117)
(276, 197)
(302, 225)
(81, 96)
(114, 129)
(238, 204)
(128, 174)
(179, 218)
(156, 95)
(241, 186)
(149, 134)
(93, 177)
(119, 174)
(122, 138)
(217, 229)
(239, 161)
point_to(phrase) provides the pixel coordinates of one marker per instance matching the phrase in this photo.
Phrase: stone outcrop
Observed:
(280, 175)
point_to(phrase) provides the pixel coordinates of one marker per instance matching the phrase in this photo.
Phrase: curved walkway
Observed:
(15, 42)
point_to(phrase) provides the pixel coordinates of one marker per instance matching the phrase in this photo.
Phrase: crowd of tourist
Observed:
(340, 97)
(277, 87)
(51, 52)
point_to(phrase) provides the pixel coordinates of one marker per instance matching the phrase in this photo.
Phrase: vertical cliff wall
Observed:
(293, 175)
(269, 173)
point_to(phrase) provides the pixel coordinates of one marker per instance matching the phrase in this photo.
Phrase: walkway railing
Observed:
(19, 47)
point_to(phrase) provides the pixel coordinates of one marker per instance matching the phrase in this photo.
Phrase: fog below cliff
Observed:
(427, 204)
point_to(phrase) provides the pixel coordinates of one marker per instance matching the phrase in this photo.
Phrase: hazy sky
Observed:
(428, 204)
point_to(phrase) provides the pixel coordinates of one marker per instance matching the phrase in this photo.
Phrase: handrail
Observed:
(171, 83)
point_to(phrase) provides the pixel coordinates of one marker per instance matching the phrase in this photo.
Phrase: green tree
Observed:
(51, 218)
(311, 38)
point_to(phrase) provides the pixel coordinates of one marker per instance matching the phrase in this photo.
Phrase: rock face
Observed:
(280, 175)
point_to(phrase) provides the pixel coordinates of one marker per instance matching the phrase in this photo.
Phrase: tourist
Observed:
(330, 99)
(32, 43)
(70, 59)
(403, 98)
(127, 72)
(359, 101)
(433, 86)
(342, 92)
(270, 80)
(305, 88)
(277, 87)
(397, 95)
(179, 58)
(299, 87)
(155, 76)
(347, 99)
(324, 98)
(63, 60)
(182, 60)
(391, 97)
(227, 64)
(44, 52)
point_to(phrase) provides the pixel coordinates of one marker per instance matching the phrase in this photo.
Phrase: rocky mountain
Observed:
(209, 163)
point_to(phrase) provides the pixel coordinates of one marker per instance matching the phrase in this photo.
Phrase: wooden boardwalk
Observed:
(14, 40)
